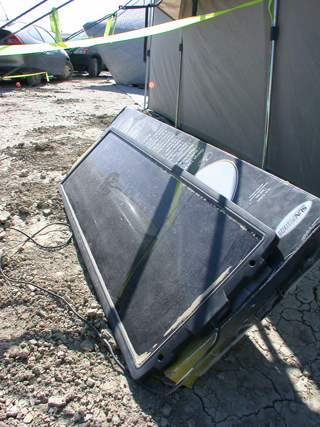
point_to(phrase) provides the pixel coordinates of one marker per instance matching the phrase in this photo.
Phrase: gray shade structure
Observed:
(230, 83)
(125, 60)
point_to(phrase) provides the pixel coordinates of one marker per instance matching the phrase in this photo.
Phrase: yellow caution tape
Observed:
(271, 9)
(54, 23)
(129, 35)
(19, 76)
(114, 25)
(108, 27)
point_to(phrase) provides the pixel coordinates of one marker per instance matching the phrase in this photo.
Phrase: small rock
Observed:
(164, 422)
(57, 376)
(116, 420)
(56, 401)
(77, 417)
(61, 354)
(2, 235)
(4, 216)
(91, 312)
(40, 147)
(87, 345)
(23, 353)
(46, 212)
(220, 376)
(23, 174)
(23, 210)
(68, 412)
(90, 382)
(166, 410)
(83, 331)
(80, 415)
(13, 411)
(41, 313)
(100, 314)
(28, 418)
(41, 398)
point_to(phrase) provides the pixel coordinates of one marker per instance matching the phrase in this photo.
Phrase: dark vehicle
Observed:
(55, 63)
(85, 59)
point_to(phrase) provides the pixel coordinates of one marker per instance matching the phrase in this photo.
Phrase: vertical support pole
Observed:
(147, 53)
(145, 41)
(179, 80)
(146, 82)
(194, 7)
(273, 38)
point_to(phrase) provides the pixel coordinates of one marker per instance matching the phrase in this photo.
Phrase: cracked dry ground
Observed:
(53, 371)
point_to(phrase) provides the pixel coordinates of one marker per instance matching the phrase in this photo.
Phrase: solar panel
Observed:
(164, 251)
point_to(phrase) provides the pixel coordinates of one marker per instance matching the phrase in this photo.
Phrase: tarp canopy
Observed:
(178, 9)
(173, 8)
(219, 90)
(124, 60)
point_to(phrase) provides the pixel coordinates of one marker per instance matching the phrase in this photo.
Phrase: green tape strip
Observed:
(129, 35)
(54, 23)
(4, 47)
(19, 76)
(270, 8)
(108, 27)
(114, 25)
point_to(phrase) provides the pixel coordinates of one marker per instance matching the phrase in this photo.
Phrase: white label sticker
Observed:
(293, 219)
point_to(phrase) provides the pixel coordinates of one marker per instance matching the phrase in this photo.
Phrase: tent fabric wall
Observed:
(173, 8)
(224, 69)
(164, 70)
(223, 96)
(223, 80)
(294, 144)
(124, 60)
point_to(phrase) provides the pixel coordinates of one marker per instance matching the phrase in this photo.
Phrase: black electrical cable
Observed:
(92, 327)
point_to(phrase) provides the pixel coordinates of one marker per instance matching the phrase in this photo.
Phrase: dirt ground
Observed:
(54, 372)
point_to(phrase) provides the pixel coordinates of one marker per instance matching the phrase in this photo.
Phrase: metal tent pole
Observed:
(273, 38)
(146, 82)
(147, 50)
(179, 81)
